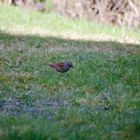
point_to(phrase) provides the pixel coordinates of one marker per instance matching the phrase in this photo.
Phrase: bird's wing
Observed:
(61, 65)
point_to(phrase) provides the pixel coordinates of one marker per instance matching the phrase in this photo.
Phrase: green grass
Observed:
(98, 99)
(14, 18)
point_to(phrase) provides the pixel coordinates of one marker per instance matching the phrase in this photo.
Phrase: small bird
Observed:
(62, 66)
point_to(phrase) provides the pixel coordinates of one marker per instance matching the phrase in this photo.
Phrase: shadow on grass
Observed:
(52, 41)
(57, 48)
(23, 94)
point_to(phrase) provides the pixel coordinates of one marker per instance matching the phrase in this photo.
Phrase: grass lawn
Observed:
(98, 99)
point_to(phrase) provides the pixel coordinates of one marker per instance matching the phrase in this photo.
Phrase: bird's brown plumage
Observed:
(62, 66)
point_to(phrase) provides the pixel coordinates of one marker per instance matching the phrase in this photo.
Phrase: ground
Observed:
(97, 99)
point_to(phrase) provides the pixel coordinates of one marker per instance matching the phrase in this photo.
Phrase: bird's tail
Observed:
(50, 65)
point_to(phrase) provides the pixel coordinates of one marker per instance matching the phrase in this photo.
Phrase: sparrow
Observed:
(62, 66)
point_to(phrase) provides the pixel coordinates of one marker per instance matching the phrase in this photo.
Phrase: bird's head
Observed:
(69, 64)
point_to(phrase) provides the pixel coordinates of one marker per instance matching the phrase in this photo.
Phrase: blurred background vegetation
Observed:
(115, 12)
